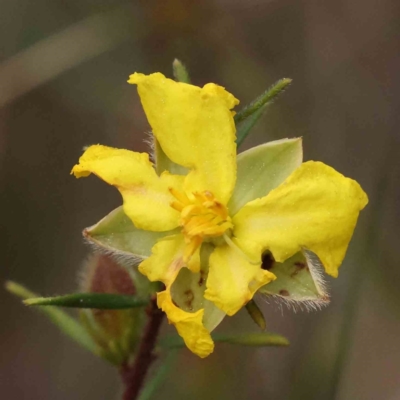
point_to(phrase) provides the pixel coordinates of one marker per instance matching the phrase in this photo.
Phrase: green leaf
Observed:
(299, 280)
(263, 168)
(247, 118)
(249, 339)
(103, 301)
(62, 320)
(256, 314)
(253, 339)
(181, 74)
(116, 233)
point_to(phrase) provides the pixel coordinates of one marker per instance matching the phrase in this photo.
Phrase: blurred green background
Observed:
(63, 72)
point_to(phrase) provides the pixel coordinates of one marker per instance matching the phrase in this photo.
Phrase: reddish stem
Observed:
(133, 376)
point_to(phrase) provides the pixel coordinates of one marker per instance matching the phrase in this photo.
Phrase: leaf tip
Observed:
(287, 81)
(180, 71)
(33, 302)
(18, 290)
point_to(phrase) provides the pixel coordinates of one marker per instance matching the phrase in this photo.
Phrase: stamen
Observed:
(191, 248)
(202, 217)
(190, 211)
(219, 209)
(235, 247)
(177, 206)
(180, 196)
(196, 221)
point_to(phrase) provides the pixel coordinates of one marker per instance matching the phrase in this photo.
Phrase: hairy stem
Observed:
(133, 376)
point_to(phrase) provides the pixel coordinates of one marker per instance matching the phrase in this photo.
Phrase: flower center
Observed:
(202, 217)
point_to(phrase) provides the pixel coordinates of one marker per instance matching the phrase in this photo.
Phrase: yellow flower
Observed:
(216, 232)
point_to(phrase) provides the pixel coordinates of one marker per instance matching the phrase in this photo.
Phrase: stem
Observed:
(133, 376)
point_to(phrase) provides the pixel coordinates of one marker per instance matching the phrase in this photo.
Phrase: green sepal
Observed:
(261, 339)
(188, 289)
(117, 233)
(102, 301)
(256, 314)
(68, 325)
(263, 168)
(247, 118)
(181, 73)
(116, 332)
(163, 163)
(119, 334)
(299, 280)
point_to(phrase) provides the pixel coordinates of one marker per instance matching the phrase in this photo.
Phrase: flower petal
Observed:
(189, 325)
(195, 128)
(315, 208)
(164, 265)
(233, 280)
(146, 196)
(167, 259)
(263, 168)
(187, 291)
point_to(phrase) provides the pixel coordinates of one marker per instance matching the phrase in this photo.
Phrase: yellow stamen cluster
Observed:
(202, 217)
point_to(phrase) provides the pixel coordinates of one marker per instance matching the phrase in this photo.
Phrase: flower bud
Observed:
(116, 332)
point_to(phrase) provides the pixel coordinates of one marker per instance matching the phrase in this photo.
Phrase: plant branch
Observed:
(133, 376)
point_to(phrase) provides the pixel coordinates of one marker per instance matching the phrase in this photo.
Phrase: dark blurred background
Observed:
(63, 72)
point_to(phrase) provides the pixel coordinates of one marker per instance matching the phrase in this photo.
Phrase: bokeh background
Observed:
(63, 71)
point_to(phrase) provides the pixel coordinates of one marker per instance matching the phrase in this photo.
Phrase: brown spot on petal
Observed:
(284, 292)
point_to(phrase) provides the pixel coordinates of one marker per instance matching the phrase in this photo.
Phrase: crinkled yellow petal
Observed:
(146, 196)
(315, 208)
(233, 280)
(195, 128)
(163, 265)
(167, 259)
(189, 325)
(187, 291)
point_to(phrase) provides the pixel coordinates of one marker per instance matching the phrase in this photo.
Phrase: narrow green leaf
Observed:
(256, 314)
(265, 98)
(62, 320)
(103, 301)
(181, 73)
(247, 118)
(19, 290)
(250, 339)
(254, 339)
